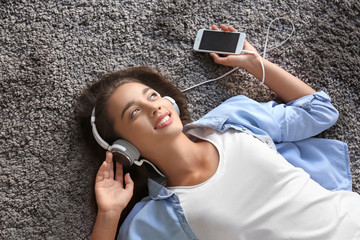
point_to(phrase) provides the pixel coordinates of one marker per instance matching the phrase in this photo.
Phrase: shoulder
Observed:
(158, 216)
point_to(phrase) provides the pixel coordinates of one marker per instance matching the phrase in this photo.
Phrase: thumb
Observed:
(216, 58)
(129, 184)
(220, 60)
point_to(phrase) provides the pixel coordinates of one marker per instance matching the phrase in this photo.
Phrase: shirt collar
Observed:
(210, 121)
(157, 189)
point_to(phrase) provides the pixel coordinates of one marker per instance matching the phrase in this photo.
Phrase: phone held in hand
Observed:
(219, 41)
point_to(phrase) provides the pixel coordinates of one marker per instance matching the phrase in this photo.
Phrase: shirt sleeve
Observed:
(160, 219)
(304, 117)
(297, 120)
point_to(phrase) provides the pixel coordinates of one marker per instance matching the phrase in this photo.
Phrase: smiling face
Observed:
(142, 117)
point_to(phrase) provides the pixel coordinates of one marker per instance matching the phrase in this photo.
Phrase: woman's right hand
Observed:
(112, 195)
(284, 84)
(243, 60)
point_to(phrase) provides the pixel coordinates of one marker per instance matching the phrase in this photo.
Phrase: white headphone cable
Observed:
(250, 52)
(210, 80)
(140, 162)
(268, 32)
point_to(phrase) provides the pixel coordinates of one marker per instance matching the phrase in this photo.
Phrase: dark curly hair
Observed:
(96, 94)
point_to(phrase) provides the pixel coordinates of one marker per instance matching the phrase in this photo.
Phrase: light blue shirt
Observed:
(287, 127)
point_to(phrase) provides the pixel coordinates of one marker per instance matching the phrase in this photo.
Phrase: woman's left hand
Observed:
(112, 195)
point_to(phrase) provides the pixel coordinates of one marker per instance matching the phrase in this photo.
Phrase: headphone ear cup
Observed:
(173, 103)
(126, 157)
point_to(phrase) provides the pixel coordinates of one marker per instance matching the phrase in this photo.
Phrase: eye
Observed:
(154, 95)
(133, 113)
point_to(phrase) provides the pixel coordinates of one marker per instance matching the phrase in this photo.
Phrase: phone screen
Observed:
(219, 41)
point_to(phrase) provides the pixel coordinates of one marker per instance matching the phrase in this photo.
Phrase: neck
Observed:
(186, 163)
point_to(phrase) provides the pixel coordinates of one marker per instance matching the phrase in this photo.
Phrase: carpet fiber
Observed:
(49, 50)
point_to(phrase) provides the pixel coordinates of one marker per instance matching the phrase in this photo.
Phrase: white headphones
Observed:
(123, 151)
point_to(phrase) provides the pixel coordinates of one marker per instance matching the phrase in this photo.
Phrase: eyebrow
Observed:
(129, 104)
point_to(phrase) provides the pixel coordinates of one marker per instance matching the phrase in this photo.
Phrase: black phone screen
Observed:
(219, 41)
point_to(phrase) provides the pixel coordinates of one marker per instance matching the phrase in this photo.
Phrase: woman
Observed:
(225, 178)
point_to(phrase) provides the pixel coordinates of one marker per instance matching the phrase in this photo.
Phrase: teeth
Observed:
(164, 120)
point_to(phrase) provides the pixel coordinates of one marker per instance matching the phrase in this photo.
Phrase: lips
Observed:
(163, 121)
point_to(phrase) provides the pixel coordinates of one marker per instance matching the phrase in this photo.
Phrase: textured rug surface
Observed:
(49, 50)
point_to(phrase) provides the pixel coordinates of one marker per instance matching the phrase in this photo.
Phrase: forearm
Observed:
(105, 226)
(285, 85)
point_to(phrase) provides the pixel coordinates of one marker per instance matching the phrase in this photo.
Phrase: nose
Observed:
(153, 107)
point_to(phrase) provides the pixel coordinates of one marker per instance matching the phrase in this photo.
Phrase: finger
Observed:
(214, 55)
(231, 29)
(217, 58)
(224, 27)
(129, 183)
(246, 43)
(106, 170)
(107, 165)
(109, 161)
(119, 173)
(222, 60)
(214, 27)
(109, 157)
(100, 173)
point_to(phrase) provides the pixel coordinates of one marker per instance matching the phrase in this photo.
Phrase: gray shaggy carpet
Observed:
(49, 50)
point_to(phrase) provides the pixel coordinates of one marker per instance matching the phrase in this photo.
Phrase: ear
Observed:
(173, 103)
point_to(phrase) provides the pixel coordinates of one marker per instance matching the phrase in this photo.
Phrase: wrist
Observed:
(109, 215)
(106, 225)
(253, 63)
(254, 66)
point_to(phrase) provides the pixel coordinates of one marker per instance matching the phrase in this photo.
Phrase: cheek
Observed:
(136, 131)
(142, 134)
(142, 139)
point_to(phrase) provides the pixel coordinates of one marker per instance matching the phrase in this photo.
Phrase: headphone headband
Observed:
(97, 136)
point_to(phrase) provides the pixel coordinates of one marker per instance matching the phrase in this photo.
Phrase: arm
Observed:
(305, 114)
(111, 197)
(284, 84)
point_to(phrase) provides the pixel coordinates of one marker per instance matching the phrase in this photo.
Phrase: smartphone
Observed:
(219, 41)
